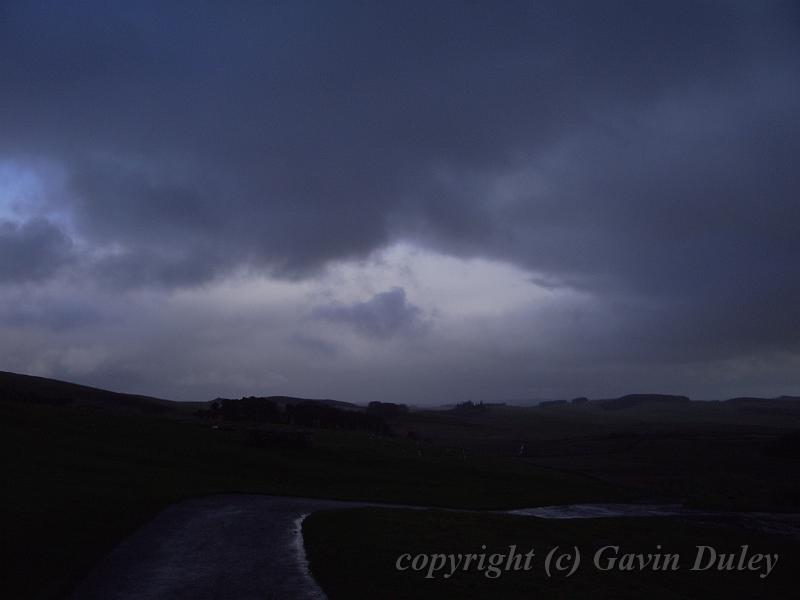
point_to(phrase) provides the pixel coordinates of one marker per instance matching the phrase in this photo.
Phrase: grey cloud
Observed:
(241, 136)
(53, 315)
(32, 251)
(385, 315)
(643, 153)
(314, 345)
(148, 268)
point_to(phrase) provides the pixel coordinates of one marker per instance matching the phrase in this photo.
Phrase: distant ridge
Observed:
(632, 400)
(41, 390)
(16, 387)
(747, 399)
(291, 400)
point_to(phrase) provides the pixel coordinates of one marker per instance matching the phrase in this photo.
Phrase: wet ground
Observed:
(219, 547)
(779, 523)
(242, 547)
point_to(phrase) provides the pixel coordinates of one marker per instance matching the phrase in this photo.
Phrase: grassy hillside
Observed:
(41, 390)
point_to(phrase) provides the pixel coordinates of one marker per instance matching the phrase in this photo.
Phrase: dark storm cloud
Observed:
(31, 251)
(642, 152)
(53, 315)
(383, 316)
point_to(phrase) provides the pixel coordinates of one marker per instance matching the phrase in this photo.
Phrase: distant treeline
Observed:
(306, 413)
(474, 407)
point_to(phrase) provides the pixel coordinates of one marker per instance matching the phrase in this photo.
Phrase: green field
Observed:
(353, 554)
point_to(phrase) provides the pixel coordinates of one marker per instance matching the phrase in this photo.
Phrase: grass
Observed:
(79, 479)
(353, 554)
(711, 454)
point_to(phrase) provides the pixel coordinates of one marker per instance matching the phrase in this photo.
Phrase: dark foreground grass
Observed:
(77, 480)
(353, 554)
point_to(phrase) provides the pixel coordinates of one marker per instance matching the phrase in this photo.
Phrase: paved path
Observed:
(219, 547)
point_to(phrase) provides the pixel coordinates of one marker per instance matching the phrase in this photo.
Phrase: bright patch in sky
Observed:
(443, 286)
(31, 189)
(450, 286)
(16, 188)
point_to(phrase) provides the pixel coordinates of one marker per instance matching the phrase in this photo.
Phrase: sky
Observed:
(422, 202)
